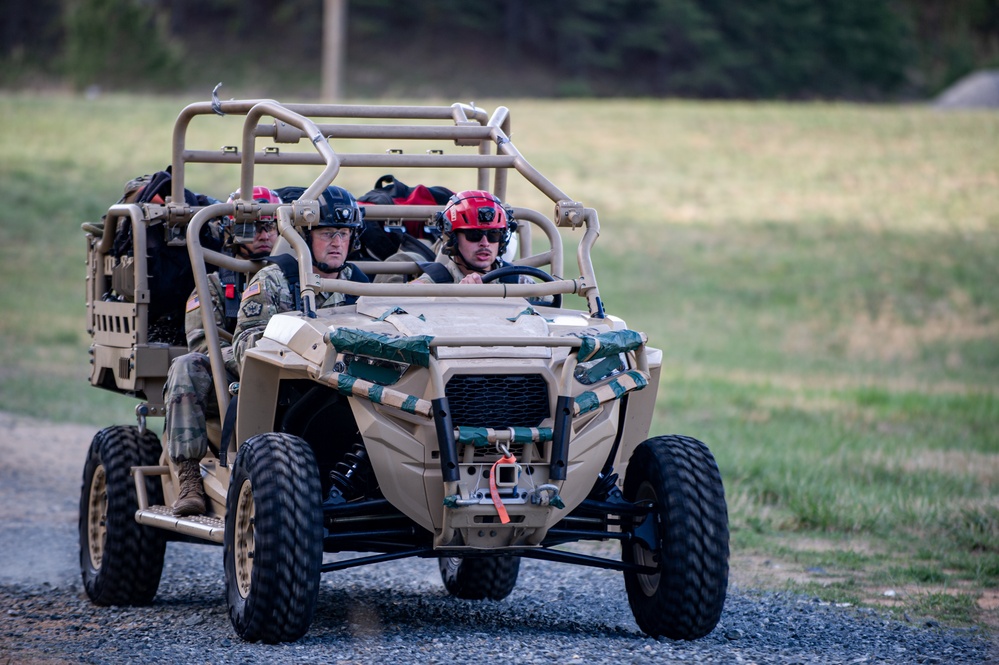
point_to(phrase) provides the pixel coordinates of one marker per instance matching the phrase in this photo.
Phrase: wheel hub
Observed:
(243, 541)
(643, 555)
(97, 517)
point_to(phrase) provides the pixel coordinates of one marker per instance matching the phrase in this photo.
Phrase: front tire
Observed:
(474, 578)
(684, 599)
(121, 561)
(273, 539)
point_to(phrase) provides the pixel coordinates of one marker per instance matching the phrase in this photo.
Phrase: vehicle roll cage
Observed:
(470, 127)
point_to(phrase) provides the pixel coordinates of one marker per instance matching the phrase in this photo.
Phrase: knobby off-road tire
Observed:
(684, 600)
(121, 561)
(480, 578)
(273, 539)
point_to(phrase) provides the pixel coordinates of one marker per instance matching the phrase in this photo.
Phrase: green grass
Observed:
(822, 280)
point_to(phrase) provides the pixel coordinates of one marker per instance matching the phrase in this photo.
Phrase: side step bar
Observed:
(199, 526)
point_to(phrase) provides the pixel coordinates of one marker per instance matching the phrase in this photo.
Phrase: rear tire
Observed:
(121, 561)
(684, 600)
(273, 546)
(475, 578)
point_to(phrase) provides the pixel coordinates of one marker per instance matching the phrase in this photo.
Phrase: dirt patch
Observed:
(888, 338)
(983, 468)
(750, 571)
(989, 600)
(757, 571)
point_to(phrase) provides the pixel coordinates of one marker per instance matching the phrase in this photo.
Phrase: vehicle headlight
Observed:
(595, 371)
(375, 370)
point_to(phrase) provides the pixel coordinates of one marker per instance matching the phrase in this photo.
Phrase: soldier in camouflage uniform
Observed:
(269, 292)
(189, 393)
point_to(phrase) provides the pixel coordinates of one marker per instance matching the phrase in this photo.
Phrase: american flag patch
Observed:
(253, 290)
(193, 303)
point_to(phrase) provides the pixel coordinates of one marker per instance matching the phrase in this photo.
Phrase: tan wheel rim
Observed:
(644, 556)
(243, 539)
(97, 516)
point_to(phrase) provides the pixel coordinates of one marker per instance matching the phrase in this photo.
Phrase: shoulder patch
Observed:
(193, 303)
(252, 290)
(251, 309)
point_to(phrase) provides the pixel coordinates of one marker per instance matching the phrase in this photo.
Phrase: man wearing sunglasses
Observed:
(189, 392)
(475, 228)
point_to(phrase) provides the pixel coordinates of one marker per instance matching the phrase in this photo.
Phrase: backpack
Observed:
(382, 242)
(171, 278)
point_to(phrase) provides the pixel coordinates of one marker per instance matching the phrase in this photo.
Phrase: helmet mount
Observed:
(241, 234)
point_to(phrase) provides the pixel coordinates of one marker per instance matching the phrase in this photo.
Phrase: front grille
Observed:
(499, 400)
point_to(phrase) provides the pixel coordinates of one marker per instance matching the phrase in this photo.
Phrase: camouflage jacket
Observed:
(269, 293)
(194, 327)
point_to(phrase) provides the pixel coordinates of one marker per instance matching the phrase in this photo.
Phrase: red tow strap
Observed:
(508, 458)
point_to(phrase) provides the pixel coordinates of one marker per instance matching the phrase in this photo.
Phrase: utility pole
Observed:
(334, 49)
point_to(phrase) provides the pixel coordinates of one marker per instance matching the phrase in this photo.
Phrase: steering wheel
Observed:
(530, 271)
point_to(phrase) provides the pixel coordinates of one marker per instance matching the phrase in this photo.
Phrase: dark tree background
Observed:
(769, 49)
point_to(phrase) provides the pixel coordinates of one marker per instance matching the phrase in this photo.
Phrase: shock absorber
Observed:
(351, 476)
(605, 488)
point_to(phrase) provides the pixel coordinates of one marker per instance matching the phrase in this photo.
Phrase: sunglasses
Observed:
(330, 236)
(475, 235)
(250, 229)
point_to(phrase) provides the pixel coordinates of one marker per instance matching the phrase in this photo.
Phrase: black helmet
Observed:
(338, 207)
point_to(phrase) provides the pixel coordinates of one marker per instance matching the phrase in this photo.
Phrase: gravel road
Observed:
(393, 612)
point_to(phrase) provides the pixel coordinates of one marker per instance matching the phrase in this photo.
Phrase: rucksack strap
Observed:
(437, 272)
(289, 266)
(409, 243)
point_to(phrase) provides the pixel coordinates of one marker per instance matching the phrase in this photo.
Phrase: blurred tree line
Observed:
(791, 49)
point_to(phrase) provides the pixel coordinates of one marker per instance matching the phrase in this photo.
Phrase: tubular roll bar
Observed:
(292, 124)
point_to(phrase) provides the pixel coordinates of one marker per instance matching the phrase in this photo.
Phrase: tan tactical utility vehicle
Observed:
(472, 424)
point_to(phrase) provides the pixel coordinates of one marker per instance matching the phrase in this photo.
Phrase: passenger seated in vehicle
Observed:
(189, 392)
(475, 228)
(271, 292)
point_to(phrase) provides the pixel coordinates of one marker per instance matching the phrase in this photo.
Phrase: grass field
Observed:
(823, 281)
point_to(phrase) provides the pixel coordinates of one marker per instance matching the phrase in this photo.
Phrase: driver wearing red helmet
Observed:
(475, 228)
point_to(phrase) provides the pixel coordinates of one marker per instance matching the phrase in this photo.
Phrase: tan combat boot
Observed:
(191, 500)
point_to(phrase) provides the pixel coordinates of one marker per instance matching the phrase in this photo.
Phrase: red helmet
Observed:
(243, 233)
(260, 195)
(472, 209)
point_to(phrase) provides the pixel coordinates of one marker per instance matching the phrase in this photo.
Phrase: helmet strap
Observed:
(327, 268)
(464, 262)
(251, 256)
